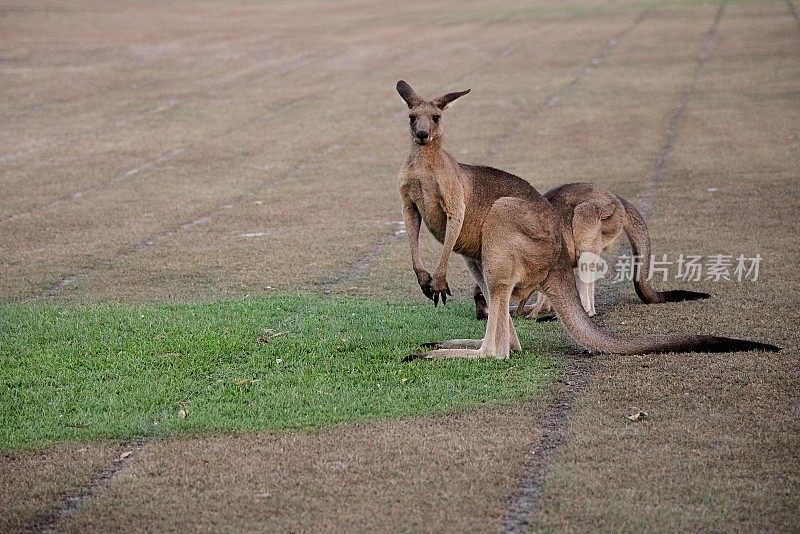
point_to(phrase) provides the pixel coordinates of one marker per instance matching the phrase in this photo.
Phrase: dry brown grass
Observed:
(283, 119)
(719, 449)
(34, 484)
(394, 476)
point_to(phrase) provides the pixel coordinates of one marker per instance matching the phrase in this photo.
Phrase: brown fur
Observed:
(592, 218)
(511, 238)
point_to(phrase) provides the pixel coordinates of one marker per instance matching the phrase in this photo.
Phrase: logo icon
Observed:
(591, 267)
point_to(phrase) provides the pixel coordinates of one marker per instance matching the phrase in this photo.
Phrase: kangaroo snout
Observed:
(421, 137)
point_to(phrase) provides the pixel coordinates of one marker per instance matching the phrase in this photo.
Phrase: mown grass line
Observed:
(124, 371)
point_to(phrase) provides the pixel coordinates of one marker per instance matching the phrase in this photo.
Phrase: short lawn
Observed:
(77, 373)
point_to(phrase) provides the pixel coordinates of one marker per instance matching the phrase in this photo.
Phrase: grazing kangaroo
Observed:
(511, 239)
(592, 218)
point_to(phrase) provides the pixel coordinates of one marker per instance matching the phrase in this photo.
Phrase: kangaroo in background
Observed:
(511, 238)
(592, 218)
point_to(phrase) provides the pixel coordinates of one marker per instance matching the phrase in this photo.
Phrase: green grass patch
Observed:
(77, 373)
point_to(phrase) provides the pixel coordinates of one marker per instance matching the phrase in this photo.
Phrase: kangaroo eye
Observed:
(436, 118)
(411, 119)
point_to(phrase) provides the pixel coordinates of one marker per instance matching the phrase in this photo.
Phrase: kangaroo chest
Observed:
(427, 197)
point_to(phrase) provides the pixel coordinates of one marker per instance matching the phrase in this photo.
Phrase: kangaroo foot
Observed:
(454, 344)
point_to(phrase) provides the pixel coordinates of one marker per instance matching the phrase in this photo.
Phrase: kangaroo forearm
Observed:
(413, 243)
(416, 262)
(413, 223)
(441, 267)
(450, 238)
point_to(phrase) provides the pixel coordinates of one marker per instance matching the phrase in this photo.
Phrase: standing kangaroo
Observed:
(592, 218)
(511, 239)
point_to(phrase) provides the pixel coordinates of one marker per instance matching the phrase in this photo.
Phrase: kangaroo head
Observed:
(425, 117)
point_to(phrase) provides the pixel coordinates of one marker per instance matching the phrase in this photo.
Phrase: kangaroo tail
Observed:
(560, 287)
(636, 230)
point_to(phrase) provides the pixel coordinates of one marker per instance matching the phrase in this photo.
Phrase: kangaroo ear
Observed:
(408, 94)
(443, 101)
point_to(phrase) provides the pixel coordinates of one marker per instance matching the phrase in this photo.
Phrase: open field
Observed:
(192, 191)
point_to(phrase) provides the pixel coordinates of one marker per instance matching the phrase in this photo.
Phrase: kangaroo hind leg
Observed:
(496, 343)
